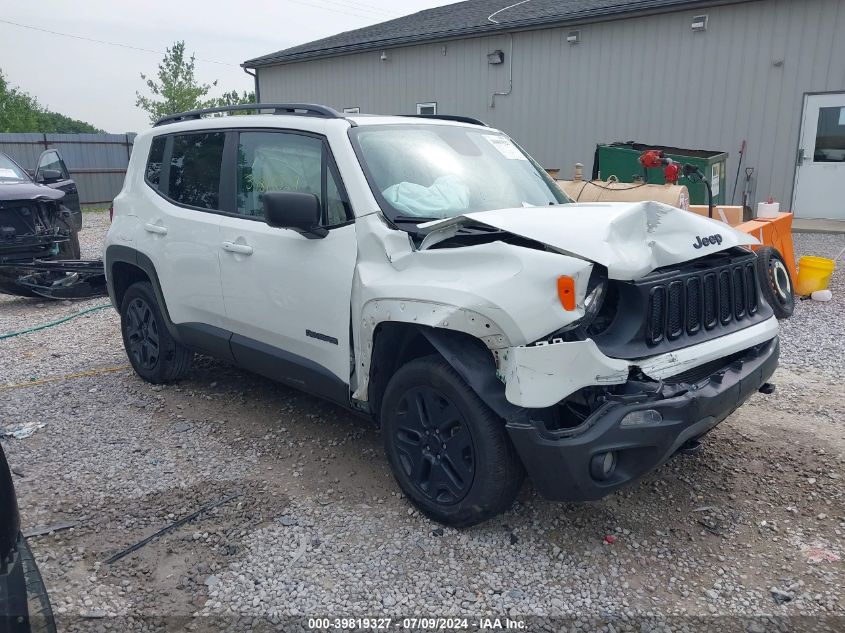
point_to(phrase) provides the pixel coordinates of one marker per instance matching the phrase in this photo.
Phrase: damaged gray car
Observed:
(40, 220)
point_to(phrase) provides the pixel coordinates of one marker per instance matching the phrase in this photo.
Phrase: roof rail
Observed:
(448, 117)
(299, 109)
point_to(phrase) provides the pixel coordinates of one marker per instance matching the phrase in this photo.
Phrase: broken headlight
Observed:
(596, 291)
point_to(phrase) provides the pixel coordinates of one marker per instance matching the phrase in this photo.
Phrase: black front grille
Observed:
(694, 304)
(704, 299)
(711, 300)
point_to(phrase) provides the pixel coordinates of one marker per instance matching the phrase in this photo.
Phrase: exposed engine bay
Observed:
(39, 249)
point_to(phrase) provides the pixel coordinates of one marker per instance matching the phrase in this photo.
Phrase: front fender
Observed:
(431, 316)
(500, 293)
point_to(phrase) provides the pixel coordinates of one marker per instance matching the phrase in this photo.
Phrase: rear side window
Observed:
(195, 169)
(154, 162)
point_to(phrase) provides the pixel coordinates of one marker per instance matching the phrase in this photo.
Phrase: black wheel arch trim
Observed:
(474, 363)
(125, 254)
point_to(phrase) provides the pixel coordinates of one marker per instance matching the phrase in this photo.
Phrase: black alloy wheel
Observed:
(155, 355)
(450, 453)
(142, 334)
(434, 445)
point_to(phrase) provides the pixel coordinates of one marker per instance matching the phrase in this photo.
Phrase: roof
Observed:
(462, 19)
(305, 122)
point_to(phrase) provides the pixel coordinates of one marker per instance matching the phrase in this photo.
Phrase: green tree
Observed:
(20, 112)
(233, 98)
(177, 89)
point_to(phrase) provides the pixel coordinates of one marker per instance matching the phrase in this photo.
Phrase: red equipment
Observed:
(654, 158)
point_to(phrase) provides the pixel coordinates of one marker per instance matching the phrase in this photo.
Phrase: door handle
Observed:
(155, 228)
(241, 249)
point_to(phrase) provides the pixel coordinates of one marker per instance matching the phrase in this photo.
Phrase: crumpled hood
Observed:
(630, 239)
(10, 191)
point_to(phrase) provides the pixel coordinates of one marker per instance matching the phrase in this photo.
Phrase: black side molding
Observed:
(206, 339)
(290, 369)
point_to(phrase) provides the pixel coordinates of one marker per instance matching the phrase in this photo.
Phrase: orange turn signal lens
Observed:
(566, 292)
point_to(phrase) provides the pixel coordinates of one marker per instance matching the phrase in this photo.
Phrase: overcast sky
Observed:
(97, 82)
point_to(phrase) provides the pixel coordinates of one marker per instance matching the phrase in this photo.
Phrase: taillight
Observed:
(111, 212)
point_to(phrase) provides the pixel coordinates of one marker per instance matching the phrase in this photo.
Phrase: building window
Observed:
(355, 110)
(427, 108)
(830, 136)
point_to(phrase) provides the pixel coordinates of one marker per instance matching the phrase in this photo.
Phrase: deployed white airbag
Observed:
(447, 196)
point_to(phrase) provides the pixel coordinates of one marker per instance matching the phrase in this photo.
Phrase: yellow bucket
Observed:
(813, 274)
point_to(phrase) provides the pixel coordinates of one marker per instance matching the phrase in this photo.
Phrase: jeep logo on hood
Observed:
(707, 241)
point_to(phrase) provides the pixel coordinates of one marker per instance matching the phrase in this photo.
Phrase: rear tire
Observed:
(775, 282)
(449, 452)
(154, 354)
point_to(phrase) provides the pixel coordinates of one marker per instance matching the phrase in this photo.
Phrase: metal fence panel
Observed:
(97, 162)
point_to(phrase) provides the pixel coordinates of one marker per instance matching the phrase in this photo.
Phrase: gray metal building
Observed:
(561, 76)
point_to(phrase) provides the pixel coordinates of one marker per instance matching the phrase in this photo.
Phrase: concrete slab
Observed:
(800, 225)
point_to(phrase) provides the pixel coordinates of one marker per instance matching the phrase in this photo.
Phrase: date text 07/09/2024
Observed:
(416, 624)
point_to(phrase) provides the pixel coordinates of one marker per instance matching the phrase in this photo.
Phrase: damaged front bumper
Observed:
(607, 451)
(542, 375)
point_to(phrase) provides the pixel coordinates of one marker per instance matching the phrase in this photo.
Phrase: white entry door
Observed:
(820, 176)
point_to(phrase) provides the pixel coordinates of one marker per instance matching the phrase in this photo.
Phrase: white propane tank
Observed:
(612, 190)
(604, 191)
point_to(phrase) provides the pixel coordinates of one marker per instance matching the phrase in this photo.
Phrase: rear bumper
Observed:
(559, 462)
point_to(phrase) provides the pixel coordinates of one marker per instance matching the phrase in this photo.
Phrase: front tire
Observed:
(154, 354)
(449, 452)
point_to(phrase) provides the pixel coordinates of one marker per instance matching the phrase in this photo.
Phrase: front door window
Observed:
(282, 161)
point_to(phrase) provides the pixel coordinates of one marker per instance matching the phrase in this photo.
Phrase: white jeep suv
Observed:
(427, 273)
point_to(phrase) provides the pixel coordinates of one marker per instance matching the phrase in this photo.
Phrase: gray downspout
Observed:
(254, 75)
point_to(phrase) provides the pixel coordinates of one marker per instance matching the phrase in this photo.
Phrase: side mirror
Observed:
(294, 210)
(50, 175)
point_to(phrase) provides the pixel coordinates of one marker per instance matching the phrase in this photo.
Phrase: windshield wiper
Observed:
(414, 219)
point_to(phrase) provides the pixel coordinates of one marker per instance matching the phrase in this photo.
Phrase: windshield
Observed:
(9, 171)
(440, 171)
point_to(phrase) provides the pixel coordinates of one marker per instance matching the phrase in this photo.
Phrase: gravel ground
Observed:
(814, 338)
(745, 535)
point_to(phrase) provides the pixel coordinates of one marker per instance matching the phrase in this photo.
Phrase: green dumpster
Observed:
(621, 160)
